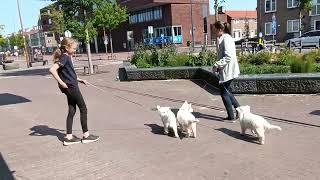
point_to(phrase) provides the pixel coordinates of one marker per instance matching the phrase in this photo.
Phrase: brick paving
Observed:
(132, 145)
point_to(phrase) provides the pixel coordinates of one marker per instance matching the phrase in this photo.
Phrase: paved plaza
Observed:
(132, 144)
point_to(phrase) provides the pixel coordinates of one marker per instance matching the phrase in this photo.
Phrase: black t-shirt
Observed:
(66, 72)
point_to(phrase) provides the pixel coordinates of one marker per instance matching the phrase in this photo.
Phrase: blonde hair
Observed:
(65, 43)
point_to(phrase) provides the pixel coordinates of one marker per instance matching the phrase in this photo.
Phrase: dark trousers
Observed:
(228, 99)
(75, 99)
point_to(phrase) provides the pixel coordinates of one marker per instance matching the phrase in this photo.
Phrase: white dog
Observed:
(187, 120)
(257, 124)
(169, 120)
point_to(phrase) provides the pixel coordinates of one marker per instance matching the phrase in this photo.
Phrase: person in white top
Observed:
(227, 66)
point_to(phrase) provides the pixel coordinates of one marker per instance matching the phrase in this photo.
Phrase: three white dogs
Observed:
(188, 123)
(185, 120)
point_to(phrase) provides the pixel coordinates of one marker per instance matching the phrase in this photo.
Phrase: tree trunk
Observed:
(89, 53)
(111, 43)
(216, 6)
(300, 23)
(105, 39)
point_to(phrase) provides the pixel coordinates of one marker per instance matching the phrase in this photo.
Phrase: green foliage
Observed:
(298, 65)
(205, 58)
(263, 69)
(285, 57)
(305, 5)
(109, 15)
(312, 56)
(16, 40)
(58, 24)
(260, 58)
(178, 60)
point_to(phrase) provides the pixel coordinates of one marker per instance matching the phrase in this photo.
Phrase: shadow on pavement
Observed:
(316, 112)
(7, 99)
(201, 115)
(207, 87)
(44, 130)
(238, 135)
(5, 172)
(28, 72)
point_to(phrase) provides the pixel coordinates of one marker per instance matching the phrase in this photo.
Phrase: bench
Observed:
(111, 56)
(95, 69)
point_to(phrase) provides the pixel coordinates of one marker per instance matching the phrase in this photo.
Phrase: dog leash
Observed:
(196, 104)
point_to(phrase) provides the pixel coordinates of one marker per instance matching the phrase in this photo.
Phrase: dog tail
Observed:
(274, 127)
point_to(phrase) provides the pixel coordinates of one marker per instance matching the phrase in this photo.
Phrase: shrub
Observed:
(312, 56)
(178, 60)
(205, 58)
(263, 69)
(261, 58)
(285, 57)
(298, 65)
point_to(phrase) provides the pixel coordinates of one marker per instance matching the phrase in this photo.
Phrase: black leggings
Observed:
(75, 99)
(228, 99)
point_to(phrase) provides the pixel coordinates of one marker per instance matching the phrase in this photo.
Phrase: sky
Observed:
(30, 12)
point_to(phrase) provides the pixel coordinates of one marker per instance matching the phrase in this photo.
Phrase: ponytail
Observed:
(57, 55)
(65, 43)
(224, 26)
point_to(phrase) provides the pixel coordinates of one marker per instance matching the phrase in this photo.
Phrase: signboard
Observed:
(150, 29)
(67, 33)
(274, 24)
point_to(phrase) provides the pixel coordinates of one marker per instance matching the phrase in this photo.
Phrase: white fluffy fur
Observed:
(169, 120)
(187, 121)
(257, 124)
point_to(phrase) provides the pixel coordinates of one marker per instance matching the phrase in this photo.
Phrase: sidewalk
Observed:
(132, 144)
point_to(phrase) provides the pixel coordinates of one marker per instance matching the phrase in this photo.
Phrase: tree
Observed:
(109, 16)
(77, 16)
(56, 16)
(217, 3)
(3, 41)
(17, 40)
(306, 6)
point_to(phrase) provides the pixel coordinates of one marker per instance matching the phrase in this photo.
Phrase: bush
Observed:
(313, 56)
(260, 58)
(263, 69)
(316, 68)
(285, 57)
(205, 58)
(178, 60)
(298, 65)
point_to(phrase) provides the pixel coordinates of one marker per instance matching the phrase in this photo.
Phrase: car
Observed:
(308, 39)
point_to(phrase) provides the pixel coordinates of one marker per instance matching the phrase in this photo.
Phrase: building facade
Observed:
(170, 20)
(286, 13)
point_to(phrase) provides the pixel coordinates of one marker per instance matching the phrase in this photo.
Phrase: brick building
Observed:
(169, 18)
(237, 21)
(287, 18)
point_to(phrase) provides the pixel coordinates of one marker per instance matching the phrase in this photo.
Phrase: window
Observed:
(268, 29)
(316, 25)
(49, 34)
(146, 15)
(50, 21)
(315, 8)
(49, 11)
(293, 26)
(177, 31)
(270, 6)
(292, 3)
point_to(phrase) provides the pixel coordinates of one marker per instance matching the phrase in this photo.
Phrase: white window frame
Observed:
(315, 27)
(271, 10)
(291, 5)
(315, 3)
(237, 30)
(265, 29)
(291, 21)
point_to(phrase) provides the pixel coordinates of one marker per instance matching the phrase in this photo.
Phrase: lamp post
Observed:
(24, 38)
(192, 25)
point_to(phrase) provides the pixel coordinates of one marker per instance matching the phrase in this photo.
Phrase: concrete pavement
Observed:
(132, 144)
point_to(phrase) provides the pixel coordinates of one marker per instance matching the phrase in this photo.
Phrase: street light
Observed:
(192, 25)
(24, 38)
